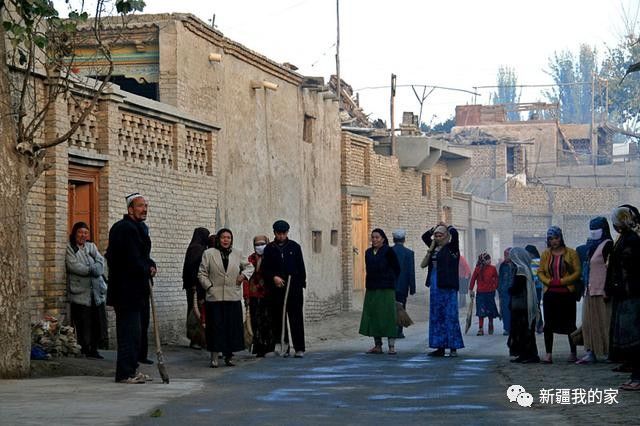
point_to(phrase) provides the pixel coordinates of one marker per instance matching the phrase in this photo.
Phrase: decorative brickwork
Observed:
(197, 152)
(145, 141)
(86, 136)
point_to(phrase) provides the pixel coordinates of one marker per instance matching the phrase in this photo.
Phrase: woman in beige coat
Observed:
(221, 274)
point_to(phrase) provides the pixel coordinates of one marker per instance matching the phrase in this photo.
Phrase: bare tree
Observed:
(36, 64)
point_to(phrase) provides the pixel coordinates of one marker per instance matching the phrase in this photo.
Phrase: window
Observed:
(307, 128)
(316, 241)
(511, 160)
(334, 237)
(447, 217)
(446, 187)
(426, 185)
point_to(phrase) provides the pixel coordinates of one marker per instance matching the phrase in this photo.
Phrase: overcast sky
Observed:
(454, 43)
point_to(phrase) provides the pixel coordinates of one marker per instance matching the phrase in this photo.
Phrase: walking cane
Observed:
(162, 369)
(284, 317)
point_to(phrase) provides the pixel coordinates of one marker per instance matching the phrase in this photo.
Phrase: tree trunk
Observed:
(15, 329)
(16, 178)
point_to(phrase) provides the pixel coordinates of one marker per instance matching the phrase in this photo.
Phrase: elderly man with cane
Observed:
(285, 274)
(130, 270)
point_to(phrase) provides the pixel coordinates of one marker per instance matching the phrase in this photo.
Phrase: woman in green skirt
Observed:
(379, 310)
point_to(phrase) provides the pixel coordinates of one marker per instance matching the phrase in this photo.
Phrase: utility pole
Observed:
(393, 126)
(338, 84)
(594, 130)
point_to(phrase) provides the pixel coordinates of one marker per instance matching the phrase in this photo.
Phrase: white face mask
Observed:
(260, 249)
(595, 234)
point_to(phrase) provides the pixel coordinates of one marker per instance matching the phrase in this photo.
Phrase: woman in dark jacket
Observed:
(192, 260)
(623, 284)
(379, 310)
(442, 259)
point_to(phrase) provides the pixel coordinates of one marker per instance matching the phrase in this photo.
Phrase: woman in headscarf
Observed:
(379, 310)
(535, 265)
(623, 284)
(190, 283)
(86, 290)
(486, 275)
(596, 313)
(524, 310)
(442, 259)
(255, 295)
(559, 271)
(505, 279)
(221, 274)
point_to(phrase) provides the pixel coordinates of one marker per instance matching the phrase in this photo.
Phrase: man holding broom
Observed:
(130, 269)
(285, 274)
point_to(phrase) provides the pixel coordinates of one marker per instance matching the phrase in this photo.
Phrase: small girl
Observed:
(487, 277)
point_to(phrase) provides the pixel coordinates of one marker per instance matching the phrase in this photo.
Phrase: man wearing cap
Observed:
(406, 281)
(130, 270)
(283, 261)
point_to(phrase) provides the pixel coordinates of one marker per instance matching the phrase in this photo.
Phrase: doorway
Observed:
(83, 198)
(359, 238)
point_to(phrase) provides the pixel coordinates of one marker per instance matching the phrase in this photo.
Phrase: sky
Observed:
(452, 43)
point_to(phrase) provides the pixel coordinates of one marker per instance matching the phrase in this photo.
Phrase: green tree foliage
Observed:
(442, 127)
(624, 92)
(573, 77)
(507, 80)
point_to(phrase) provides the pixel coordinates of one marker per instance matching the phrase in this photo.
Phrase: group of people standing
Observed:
(387, 285)
(604, 272)
(270, 281)
(217, 278)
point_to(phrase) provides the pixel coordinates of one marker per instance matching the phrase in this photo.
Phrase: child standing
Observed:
(486, 275)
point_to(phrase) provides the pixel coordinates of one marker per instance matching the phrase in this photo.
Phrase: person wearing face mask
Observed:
(256, 300)
(442, 259)
(559, 271)
(623, 285)
(596, 313)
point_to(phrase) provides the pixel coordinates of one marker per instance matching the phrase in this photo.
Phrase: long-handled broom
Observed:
(284, 318)
(162, 369)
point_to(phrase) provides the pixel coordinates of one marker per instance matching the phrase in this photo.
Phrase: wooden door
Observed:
(359, 239)
(83, 199)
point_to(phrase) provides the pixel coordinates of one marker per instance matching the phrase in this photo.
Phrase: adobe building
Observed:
(547, 170)
(213, 134)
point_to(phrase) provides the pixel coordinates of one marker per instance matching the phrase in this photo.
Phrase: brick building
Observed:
(548, 171)
(127, 144)
(214, 135)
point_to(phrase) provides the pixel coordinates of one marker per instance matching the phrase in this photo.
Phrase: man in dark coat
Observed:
(406, 281)
(130, 270)
(283, 260)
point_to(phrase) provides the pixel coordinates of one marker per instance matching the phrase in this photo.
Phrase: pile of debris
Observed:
(55, 340)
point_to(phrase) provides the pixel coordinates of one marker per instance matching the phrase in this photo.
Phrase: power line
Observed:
(455, 89)
(576, 83)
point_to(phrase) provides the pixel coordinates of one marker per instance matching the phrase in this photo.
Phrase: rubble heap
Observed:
(54, 339)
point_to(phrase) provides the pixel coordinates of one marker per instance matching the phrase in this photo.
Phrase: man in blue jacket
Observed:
(406, 281)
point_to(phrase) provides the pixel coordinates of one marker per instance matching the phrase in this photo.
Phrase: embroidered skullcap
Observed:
(132, 197)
